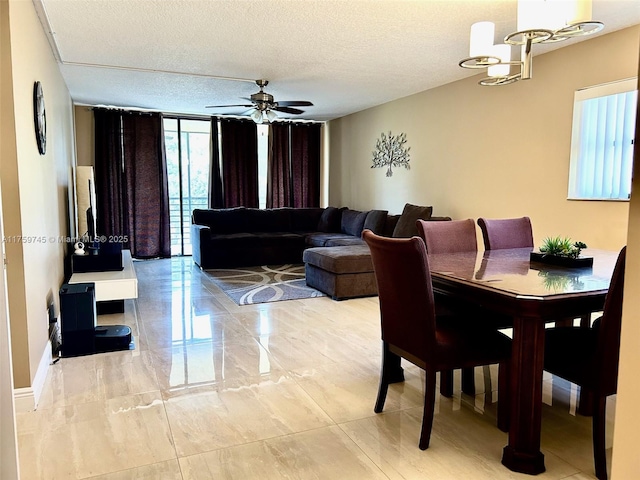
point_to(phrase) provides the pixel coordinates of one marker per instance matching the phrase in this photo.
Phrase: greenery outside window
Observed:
(602, 141)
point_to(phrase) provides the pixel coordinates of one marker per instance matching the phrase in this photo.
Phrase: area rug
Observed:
(267, 283)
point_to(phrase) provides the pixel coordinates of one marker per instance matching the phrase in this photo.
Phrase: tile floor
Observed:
(270, 391)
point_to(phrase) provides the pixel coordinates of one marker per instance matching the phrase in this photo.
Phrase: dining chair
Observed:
(410, 331)
(450, 237)
(506, 233)
(588, 357)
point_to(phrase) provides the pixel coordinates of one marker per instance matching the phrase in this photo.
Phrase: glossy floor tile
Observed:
(278, 390)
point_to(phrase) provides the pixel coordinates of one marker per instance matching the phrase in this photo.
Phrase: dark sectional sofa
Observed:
(238, 237)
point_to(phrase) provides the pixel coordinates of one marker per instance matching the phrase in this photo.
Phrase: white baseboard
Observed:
(27, 398)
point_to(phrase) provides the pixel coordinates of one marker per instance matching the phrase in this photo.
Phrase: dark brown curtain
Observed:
(147, 195)
(216, 194)
(279, 167)
(131, 181)
(294, 165)
(239, 162)
(109, 173)
(305, 164)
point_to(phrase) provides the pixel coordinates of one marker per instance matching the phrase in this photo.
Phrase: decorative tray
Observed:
(579, 262)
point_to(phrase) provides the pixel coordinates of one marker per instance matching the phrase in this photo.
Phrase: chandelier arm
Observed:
(479, 62)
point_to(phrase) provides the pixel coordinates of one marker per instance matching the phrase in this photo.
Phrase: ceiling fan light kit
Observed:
(539, 21)
(263, 106)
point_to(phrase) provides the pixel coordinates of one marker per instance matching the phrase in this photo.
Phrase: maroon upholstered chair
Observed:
(410, 331)
(588, 357)
(506, 233)
(448, 237)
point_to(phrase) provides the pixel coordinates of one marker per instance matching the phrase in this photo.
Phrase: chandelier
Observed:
(539, 21)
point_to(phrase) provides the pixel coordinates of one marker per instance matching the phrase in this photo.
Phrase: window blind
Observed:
(603, 141)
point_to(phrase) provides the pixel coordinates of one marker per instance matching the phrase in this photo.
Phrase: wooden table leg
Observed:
(523, 454)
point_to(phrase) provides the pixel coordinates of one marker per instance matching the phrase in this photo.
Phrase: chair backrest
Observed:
(608, 348)
(506, 233)
(405, 293)
(448, 237)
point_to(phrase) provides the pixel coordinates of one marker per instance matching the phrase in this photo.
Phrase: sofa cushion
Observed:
(406, 226)
(305, 219)
(320, 239)
(280, 239)
(223, 220)
(375, 221)
(330, 220)
(347, 240)
(352, 222)
(347, 259)
(269, 220)
(234, 240)
(390, 225)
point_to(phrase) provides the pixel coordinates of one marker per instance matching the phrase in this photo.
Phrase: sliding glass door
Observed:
(187, 146)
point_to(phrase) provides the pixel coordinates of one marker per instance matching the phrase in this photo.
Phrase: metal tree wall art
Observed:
(390, 152)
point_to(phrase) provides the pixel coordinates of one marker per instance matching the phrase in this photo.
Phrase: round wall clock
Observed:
(39, 117)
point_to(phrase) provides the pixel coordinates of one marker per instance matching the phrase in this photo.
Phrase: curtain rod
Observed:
(192, 116)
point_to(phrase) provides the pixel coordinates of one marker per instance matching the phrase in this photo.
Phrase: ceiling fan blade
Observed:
(221, 106)
(295, 103)
(288, 110)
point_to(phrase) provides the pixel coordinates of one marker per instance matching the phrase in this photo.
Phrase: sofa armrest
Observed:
(199, 236)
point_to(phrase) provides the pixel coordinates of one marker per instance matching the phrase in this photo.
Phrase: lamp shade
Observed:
(503, 52)
(543, 14)
(577, 11)
(481, 41)
(271, 115)
(256, 116)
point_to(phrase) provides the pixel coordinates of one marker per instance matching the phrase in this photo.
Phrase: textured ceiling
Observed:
(342, 55)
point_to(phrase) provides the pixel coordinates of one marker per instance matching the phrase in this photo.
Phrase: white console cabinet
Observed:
(110, 286)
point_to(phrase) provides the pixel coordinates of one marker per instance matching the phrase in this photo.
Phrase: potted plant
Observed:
(562, 251)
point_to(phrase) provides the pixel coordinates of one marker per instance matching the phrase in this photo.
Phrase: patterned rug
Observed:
(267, 283)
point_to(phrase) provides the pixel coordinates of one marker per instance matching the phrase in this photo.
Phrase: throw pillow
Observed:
(330, 220)
(375, 221)
(406, 226)
(352, 222)
(390, 225)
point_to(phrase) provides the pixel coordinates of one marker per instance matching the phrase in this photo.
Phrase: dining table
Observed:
(532, 294)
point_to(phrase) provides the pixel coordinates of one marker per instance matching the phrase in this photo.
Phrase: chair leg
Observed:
(429, 406)
(585, 321)
(391, 372)
(599, 450)
(504, 396)
(586, 405)
(468, 381)
(446, 383)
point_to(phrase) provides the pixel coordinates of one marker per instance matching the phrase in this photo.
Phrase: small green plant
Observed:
(562, 247)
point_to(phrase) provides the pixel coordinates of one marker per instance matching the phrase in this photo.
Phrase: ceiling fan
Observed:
(263, 107)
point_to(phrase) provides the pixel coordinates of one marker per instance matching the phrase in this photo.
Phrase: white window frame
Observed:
(601, 172)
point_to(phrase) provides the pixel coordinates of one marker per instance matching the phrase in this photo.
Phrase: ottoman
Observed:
(341, 272)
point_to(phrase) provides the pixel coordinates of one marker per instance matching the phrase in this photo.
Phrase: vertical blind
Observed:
(603, 141)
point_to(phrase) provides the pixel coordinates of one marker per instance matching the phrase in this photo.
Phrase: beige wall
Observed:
(489, 151)
(35, 188)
